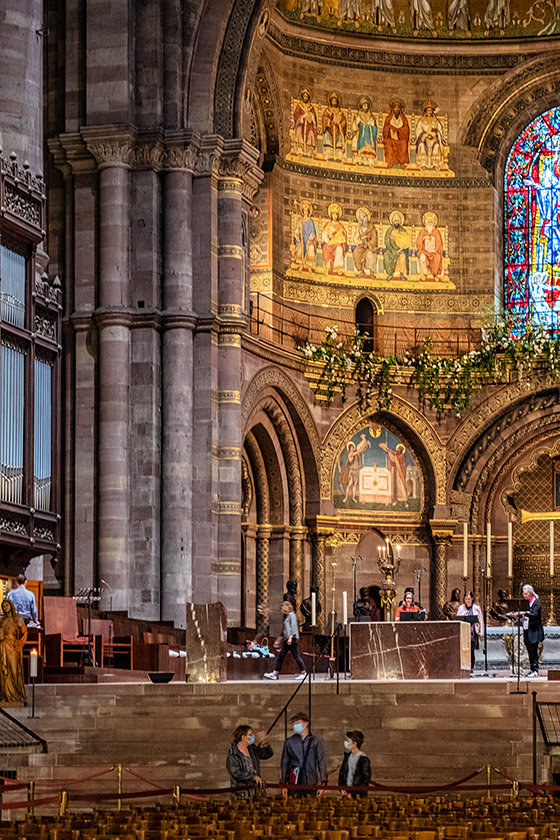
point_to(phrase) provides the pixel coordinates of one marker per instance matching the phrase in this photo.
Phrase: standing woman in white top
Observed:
(289, 643)
(468, 607)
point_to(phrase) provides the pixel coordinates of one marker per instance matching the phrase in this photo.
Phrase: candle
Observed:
(313, 609)
(345, 608)
(488, 550)
(33, 664)
(465, 551)
(552, 548)
(510, 549)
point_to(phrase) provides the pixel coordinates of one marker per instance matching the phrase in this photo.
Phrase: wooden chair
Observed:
(116, 651)
(63, 643)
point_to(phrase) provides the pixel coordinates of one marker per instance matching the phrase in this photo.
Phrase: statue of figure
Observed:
(306, 609)
(497, 16)
(13, 635)
(450, 607)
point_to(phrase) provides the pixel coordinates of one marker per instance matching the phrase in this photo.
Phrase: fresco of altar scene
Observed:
(383, 139)
(457, 19)
(376, 471)
(388, 252)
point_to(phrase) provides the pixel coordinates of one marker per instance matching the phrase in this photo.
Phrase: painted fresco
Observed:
(430, 18)
(360, 137)
(387, 253)
(376, 471)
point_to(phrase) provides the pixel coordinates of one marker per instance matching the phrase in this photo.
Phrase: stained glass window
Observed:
(532, 224)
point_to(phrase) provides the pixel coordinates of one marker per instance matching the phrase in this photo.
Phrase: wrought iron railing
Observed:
(14, 736)
(290, 327)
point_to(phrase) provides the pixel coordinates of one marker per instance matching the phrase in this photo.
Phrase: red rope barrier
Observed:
(29, 803)
(64, 783)
(143, 778)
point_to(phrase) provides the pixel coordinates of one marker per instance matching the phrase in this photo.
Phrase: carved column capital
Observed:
(111, 150)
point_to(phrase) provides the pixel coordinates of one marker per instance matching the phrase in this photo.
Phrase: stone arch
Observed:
(268, 102)
(409, 422)
(274, 382)
(490, 422)
(497, 119)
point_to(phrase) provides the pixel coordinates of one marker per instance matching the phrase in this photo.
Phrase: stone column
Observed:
(297, 536)
(177, 386)
(263, 548)
(238, 179)
(318, 575)
(442, 532)
(113, 321)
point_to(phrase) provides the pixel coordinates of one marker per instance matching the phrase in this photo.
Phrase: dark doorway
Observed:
(365, 316)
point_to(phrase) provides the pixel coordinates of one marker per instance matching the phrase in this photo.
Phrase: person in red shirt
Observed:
(407, 605)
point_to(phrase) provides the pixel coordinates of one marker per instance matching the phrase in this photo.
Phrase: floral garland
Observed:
(444, 384)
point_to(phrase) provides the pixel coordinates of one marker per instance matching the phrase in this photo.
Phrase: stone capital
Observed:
(110, 145)
(442, 529)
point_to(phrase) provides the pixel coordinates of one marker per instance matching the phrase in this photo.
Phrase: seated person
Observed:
(468, 607)
(408, 604)
(450, 607)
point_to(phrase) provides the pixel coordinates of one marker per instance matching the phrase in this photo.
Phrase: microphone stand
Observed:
(418, 573)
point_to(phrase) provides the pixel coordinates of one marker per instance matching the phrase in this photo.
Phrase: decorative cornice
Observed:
(429, 61)
(160, 320)
(382, 180)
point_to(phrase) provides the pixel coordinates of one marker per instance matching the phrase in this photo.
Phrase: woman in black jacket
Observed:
(355, 771)
(243, 761)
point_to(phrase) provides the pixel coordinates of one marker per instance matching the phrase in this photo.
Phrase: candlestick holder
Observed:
(551, 621)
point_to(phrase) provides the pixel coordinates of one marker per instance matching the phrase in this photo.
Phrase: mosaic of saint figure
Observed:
(458, 16)
(397, 242)
(349, 475)
(305, 125)
(364, 133)
(396, 134)
(429, 247)
(349, 10)
(429, 138)
(383, 13)
(308, 238)
(334, 241)
(365, 253)
(497, 15)
(421, 16)
(334, 129)
(396, 464)
(311, 7)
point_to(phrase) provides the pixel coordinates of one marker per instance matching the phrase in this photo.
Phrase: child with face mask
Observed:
(243, 761)
(355, 771)
(303, 760)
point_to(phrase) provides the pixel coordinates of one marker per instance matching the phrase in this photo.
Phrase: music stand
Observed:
(87, 595)
(516, 606)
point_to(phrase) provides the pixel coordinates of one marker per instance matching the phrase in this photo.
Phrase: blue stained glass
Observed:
(532, 221)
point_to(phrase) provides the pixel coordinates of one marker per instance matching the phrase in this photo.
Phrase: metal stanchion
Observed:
(119, 786)
(30, 797)
(488, 779)
(63, 804)
(176, 796)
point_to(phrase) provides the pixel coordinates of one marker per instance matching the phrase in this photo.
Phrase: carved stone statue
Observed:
(13, 635)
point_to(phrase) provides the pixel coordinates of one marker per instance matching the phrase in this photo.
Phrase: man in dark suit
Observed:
(533, 631)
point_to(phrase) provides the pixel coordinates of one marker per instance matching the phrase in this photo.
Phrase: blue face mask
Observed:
(252, 739)
(347, 745)
(298, 728)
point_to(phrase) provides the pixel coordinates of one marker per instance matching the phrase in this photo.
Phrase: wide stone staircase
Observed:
(179, 733)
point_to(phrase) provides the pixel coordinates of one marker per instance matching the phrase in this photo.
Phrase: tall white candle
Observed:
(552, 548)
(313, 609)
(345, 608)
(465, 551)
(510, 549)
(33, 670)
(488, 550)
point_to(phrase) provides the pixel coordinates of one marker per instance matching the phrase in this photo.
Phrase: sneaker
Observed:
(532, 674)
(301, 676)
(271, 676)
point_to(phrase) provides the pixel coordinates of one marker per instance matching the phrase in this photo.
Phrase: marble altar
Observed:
(206, 642)
(414, 650)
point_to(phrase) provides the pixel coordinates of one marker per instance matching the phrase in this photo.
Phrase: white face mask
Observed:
(347, 745)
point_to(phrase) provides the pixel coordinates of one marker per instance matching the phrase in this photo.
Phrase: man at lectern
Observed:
(533, 631)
